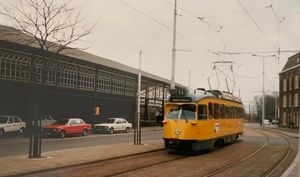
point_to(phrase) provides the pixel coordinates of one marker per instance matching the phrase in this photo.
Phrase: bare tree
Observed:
(269, 106)
(53, 27)
(50, 26)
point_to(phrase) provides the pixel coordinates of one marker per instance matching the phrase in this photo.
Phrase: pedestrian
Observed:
(160, 118)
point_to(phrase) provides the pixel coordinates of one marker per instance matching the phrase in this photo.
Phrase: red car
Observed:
(67, 126)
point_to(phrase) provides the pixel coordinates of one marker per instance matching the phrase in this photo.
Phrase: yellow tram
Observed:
(201, 119)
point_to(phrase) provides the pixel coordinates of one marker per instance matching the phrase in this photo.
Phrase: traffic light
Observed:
(97, 111)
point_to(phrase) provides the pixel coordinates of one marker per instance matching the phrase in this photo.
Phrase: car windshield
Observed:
(110, 121)
(184, 111)
(3, 120)
(61, 122)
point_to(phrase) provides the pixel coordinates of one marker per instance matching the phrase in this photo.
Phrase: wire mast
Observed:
(174, 48)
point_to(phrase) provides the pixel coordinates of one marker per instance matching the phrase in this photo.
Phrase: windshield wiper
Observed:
(184, 116)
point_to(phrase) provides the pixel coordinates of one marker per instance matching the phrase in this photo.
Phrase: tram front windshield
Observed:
(184, 111)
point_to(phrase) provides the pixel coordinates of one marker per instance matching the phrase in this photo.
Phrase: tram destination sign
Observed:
(178, 92)
(181, 99)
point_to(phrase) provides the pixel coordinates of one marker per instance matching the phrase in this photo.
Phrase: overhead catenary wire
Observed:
(213, 16)
(257, 25)
(262, 21)
(271, 82)
(279, 19)
(211, 51)
(208, 24)
(278, 33)
(222, 26)
(220, 53)
(253, 52)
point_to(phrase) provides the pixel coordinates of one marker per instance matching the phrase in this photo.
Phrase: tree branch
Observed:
(51, 27)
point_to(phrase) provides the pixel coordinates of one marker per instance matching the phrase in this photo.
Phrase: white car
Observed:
(11, 124)
(267, 122)
(46, 120)
(113, 124)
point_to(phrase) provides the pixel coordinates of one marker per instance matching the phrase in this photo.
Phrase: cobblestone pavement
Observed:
(20, 164)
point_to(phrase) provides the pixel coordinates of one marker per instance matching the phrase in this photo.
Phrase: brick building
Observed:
(289, 92)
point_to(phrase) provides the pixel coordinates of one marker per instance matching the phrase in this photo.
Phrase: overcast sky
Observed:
(226, 28)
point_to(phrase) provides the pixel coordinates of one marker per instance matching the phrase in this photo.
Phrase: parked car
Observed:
(113, 124)
(46, 120)
(67, 126)
(267, 122)
(11, 124)
(274, 122)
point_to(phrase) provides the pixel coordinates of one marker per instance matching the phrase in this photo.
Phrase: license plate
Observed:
(47, 133)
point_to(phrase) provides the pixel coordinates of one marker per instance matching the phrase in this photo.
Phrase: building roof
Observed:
(79, 54)
(13, 35)
(293, 62)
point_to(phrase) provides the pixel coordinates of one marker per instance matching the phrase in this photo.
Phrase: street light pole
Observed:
(189, 79)
(263, 92)
(174, 48)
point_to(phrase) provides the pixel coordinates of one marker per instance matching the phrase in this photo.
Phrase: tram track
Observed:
(117, 166)
(264, 156)
(148, 166)
(270, 170)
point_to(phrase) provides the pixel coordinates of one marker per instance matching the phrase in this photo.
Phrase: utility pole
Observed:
(263, 91)
(174, 48)
(249, 110)
(276, 107)
(137, 128)
(189, 79)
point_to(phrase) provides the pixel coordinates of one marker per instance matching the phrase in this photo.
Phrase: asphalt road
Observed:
(17, 145)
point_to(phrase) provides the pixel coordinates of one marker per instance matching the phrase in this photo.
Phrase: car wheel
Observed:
(2, 132)
(21, 130)
(62, 134)
(84, 132)
(111, 130)
(127, 130)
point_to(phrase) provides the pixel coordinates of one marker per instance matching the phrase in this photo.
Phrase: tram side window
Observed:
(222, 111)
(202, 112)
(216, 113)
(232, 112)
(210, 110)
(241, 113)
(228, 112)
(234, 109)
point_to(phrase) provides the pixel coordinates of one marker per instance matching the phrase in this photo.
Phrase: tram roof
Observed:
(176, 95)
(11, 34)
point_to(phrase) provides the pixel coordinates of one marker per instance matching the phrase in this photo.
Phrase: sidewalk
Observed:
(12, 166)
(16, 165)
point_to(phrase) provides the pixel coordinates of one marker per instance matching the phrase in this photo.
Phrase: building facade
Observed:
(289, 93)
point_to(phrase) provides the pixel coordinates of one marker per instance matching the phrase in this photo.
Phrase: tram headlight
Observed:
(177, 132)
